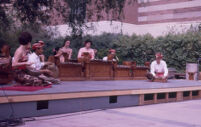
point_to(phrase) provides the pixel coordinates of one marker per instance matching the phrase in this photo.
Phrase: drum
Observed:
(66, 56)
(86, 57)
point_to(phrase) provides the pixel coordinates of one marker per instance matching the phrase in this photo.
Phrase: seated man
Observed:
(38, 67)
(158, 68)
(111, 56)
(5, 63)
(86, 49)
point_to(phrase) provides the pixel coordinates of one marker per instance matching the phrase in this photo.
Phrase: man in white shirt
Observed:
(158, 69)
(36, 60)
(44, 70)
(86, 49)
(111, 56)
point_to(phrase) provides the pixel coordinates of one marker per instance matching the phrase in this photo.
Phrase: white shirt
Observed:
(159, 68)
(106, 59)
(35, 59)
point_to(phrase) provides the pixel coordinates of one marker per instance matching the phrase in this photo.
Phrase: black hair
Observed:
(25, 38)
(56, 50)
(65, 41)
(88, 41)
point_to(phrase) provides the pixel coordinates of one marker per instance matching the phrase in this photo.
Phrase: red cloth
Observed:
(25, 88)
(161, 74)
(23, 67)
(39, 44)
(112, 50)
(159, 55)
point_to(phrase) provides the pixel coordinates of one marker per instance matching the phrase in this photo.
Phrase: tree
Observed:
(73, 12)
(4, 21)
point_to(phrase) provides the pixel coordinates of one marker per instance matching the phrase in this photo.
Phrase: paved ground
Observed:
(180, 114)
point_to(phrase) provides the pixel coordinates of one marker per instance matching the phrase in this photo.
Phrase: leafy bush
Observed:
(178, 49)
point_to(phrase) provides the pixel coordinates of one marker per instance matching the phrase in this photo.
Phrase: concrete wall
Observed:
(158, 29)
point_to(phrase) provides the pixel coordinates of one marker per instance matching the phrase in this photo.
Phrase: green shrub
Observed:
(177, 48)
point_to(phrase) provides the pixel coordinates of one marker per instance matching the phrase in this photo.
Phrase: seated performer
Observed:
(36, 59)
(55, 57)
(65, 52)
(5, 63)
(38, 67)
(158, 69)
(86, 50)
(4, 50)
(20, 63)
(111, 56)
(21, 54)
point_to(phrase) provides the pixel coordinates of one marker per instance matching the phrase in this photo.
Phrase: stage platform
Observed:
(91, 86)
(74, 96)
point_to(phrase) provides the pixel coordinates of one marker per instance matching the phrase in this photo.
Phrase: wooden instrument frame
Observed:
(85, 69)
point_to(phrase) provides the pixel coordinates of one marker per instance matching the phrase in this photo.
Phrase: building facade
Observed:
(156, 17)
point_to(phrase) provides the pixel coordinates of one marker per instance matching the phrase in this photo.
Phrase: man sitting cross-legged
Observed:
(158, 69)
(46, 70)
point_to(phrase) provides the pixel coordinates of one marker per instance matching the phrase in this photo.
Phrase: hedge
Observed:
(178, 49)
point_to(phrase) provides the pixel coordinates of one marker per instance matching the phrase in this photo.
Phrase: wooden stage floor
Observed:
(92, 86)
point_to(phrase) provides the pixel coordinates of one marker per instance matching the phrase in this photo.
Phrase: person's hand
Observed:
(29, 63)
(156, 77)
(48, 63)
(48, 72)
(25, 58)
(163, 77)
